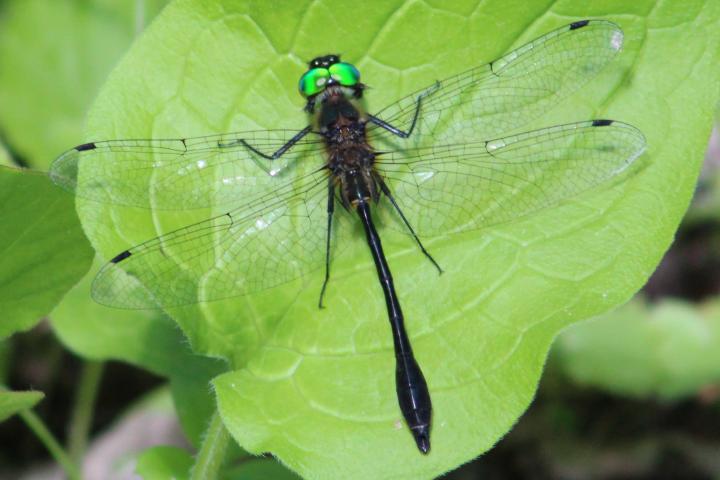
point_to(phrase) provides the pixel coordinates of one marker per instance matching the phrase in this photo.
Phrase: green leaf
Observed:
(14, 402)
(195, 401)
(160, 463)
(316, 388)
(54, 56)
(43, 249)
(668, 350)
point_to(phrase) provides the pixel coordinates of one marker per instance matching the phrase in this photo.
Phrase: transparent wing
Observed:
(494, 99)
(444, 189)
(273, 238)
(179, 174)
(278, 231)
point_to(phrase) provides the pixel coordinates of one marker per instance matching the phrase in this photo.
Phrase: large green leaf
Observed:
(316, 388)
(54, 56)
(43, 251)
(14, 402)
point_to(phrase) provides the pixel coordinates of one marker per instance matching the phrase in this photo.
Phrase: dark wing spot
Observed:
(580, 24)
(601, 123)
(121, 256)
(86, 146)
(492, 69)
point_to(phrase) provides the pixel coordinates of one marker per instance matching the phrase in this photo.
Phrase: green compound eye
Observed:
(313, 81)
(345, 74)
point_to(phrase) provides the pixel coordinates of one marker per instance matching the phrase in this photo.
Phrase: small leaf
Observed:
(43, 251)
(13, 402)
(166, 462)
(143, 338)
(259, 469)
(668, 350)
(194, 400)
(163, 462)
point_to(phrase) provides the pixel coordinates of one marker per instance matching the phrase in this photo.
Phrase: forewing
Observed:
(179, 174)
(444, 189)
(494, 99)
(273, 238)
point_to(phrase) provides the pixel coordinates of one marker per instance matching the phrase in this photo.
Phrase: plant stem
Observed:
(53, 446)
(83, 409)
(212, 451)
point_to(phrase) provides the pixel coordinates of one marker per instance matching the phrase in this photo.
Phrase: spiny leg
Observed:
(330, 211)
(386, 190)
(275, 155)
(418, 104)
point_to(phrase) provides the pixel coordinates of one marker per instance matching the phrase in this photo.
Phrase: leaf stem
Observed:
(83, 409)
(37, 426)
(212, 451)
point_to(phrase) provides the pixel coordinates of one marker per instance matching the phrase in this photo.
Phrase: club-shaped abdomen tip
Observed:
(422, 438)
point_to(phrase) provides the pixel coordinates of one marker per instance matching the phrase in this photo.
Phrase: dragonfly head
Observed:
(327, 76)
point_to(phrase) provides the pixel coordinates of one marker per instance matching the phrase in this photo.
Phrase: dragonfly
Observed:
(447, 158)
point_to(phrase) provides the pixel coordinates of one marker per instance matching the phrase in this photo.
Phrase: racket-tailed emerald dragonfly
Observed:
(444, 159)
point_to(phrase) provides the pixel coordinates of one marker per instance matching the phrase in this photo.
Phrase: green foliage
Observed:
(143, 338)
(146, 339)
(259, 469)
(54, 56)
(173, 462)
(164, 462)
(13, 402)
(669, 350)
(44, 251)
(315, 388)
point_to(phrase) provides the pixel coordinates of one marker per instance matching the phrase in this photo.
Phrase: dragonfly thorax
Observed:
(350, 158)
(341, 122)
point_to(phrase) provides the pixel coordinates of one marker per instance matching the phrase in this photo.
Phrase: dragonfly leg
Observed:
(275, 155)
(418, 104)
(386, 190)
(330, 211)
